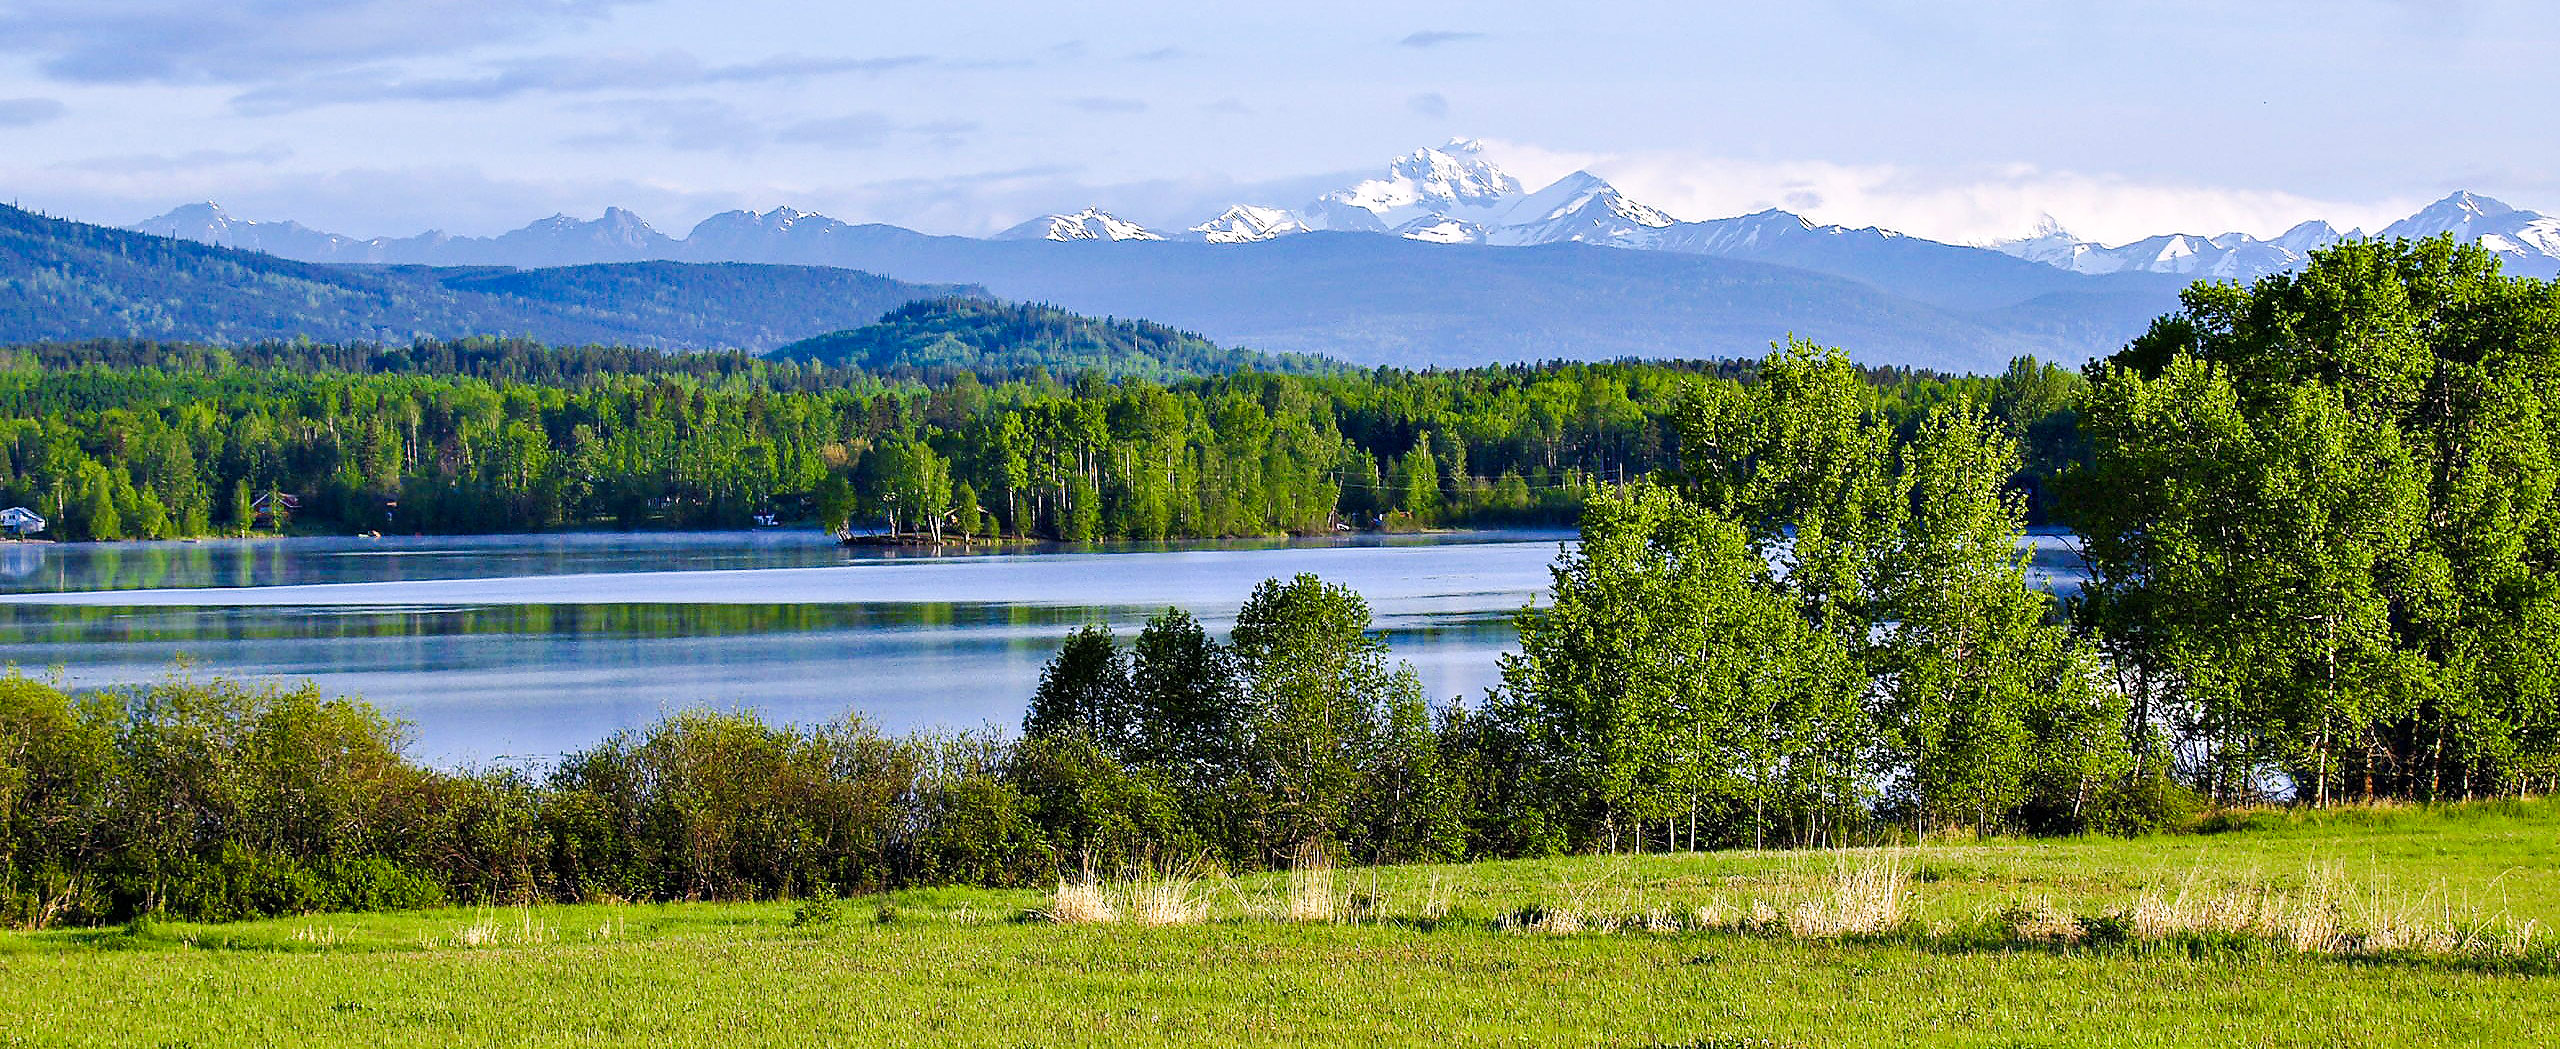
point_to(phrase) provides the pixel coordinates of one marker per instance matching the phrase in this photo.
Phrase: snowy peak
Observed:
(1579, 207)
(1428, 183)
(1454, 194)
(2528, 241)
(2228, 256)
(1089, 224)
(208, 223)
(2049, 244)
(1245, 223)
(199, 222)
(2456, 214)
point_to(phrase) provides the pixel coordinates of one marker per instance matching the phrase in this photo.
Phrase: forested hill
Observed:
(62, 280)
(942, 336)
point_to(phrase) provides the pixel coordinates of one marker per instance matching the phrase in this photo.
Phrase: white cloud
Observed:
(1959, 204)
(28, 112)
(247, 41)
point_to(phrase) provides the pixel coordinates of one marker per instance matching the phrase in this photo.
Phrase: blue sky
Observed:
(1960, 121)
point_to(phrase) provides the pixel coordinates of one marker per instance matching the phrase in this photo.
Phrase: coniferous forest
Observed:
(2317, 512)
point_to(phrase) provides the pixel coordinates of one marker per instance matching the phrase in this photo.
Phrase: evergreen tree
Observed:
(1319, 686)
(1186, 701)
(1084, 692)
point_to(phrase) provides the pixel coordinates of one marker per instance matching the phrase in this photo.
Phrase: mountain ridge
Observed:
(1451, 194)
(1356, 297)
(64, 280)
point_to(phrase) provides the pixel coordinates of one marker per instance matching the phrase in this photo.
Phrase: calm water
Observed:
(529, 646)
(524, 647)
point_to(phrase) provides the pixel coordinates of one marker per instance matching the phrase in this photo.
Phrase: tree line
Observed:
(2317, 516)
(137, 440)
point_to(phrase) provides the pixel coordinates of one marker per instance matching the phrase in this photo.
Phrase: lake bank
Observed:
(522, 648)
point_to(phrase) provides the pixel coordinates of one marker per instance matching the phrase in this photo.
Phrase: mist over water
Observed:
(527, 647)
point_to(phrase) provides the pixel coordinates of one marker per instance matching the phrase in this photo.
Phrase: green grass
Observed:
(1429, 966)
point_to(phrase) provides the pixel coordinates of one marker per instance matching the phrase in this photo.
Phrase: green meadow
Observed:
(2358, 926)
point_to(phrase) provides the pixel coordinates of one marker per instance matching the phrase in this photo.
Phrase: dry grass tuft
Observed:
(1171, 898)
(486, 930)
(1856, 900)
(1311, 892)
(2328, 913)
(1163, 896)
(1081, 903)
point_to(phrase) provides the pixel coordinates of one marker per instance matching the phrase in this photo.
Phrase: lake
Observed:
(521, 648)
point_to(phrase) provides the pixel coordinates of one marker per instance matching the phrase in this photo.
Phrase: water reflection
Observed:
(532, 646)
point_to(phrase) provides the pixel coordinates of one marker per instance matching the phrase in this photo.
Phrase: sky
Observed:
(1962, 122)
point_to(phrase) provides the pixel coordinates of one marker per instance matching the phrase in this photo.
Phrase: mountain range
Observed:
(63, 280)
(1446, 259)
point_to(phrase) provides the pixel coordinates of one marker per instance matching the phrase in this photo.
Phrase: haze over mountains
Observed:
(1452, 194)
(62, 280)
(1446, 259)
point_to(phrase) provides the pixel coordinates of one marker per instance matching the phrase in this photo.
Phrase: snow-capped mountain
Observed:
(1089, 224)
(2229, 256)
(1244, 223)
(207, 223)
(1424, 189)
(1453, 194)
(1579, 207)
(2527, 240)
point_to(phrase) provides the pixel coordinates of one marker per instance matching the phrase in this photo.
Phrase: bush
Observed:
(2150, 804)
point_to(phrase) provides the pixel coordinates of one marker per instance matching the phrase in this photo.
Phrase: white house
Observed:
(20, 521)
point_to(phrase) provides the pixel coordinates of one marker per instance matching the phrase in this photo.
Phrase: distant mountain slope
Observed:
(985, 337)
(1355, 297)
(1378, 300)
(2527, 243)
(67, 280)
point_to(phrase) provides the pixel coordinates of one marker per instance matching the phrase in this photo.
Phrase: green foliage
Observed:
(63, 279)
(1833, 599)
(1084, 693)
(1671, 679)
(938, 338)
(2321, 520)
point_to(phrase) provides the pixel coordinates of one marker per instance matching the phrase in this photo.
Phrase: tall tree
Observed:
(2320, 520)
(1084, 692)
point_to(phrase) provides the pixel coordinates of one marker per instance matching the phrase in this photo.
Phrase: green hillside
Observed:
(62, 280)
(950, 335)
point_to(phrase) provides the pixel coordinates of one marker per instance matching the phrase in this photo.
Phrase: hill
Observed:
(62, 280)
(1728, 290)
(1382, 300)
(986, 337)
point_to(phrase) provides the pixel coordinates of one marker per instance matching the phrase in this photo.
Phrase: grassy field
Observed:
(2354, 927)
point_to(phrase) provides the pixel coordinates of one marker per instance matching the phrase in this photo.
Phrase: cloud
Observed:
(192, 160)
(1958, 203)
(360, 202)
(872, 130)
(691, 125)
(1104, 104)
(1161, 54)
(705, 125)
(1437, 37)
(256, 41)
(555, 74)
(28, 112)
(858, 130)
(1430, 104)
